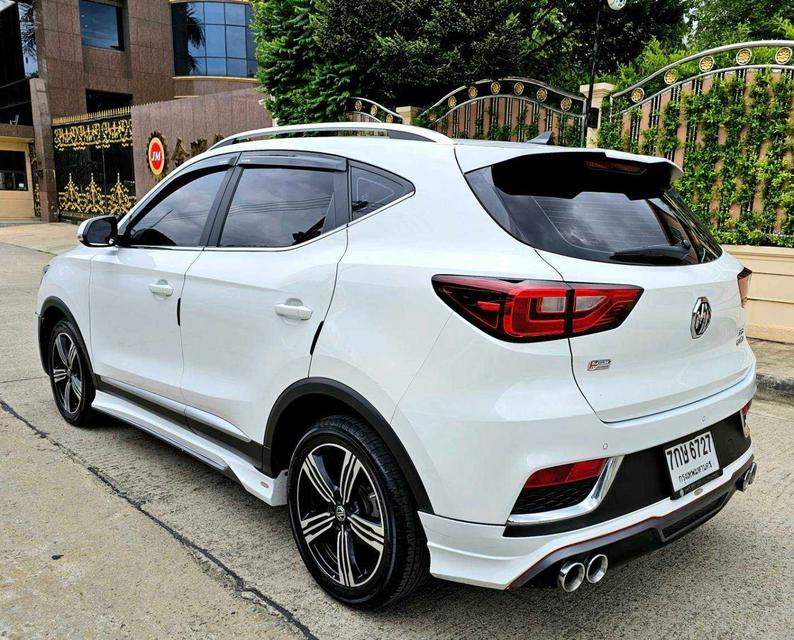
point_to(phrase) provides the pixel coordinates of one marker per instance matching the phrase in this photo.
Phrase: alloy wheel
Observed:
(67, 373)
(341, 516)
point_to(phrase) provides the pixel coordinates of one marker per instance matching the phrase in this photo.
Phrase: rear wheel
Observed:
(353, 517)
(70, 374)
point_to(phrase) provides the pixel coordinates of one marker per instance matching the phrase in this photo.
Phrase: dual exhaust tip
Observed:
(573, 573)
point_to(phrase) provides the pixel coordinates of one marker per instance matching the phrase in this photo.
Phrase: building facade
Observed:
(72, 70)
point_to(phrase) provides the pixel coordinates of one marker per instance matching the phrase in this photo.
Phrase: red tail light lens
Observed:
(565, 474)
(534, 310)
(744, 284)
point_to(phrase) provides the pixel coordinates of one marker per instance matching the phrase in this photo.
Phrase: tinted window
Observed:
(13, 171)
(178, 218)
(278, 207)
(587, 206)
(370, 190)
(100, 25)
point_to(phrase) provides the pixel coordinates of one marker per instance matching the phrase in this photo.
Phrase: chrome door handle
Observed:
(293, 309)
(161, 288)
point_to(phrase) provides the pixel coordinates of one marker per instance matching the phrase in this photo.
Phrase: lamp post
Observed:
(615, 5)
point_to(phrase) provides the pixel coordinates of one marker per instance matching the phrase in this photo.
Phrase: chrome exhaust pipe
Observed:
(596, 568)
(571, 576)
(748, 477)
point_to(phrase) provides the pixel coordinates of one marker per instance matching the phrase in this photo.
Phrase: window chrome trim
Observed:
(385, 206)
(597, 495)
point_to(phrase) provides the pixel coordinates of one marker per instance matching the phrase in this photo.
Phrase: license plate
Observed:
(692, 463)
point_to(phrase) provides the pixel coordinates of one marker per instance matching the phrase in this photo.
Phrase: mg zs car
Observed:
(496, 363)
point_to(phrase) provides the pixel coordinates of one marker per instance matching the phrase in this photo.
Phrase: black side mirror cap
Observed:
(99, 232)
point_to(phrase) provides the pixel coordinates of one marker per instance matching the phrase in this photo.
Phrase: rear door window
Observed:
(279, 207)
(586, 206)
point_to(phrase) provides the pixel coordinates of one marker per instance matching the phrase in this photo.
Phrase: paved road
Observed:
(730, 578)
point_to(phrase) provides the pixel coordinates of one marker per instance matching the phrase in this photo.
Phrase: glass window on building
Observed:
(213, 39)
(103, 100)
(18, 61)
(101, 25)
(13, 171)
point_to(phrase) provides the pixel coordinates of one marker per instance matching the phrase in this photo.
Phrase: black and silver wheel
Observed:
(70, 374)
(352, 515)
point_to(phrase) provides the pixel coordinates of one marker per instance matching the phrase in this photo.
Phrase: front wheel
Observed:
(353, 517)
(70, 374)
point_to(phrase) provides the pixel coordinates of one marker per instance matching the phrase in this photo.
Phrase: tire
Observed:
(375, 525)
(71, 377)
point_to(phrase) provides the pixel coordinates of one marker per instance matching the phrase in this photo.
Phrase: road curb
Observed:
(775, 385)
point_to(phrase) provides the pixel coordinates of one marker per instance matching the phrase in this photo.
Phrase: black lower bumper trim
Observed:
(642, 537)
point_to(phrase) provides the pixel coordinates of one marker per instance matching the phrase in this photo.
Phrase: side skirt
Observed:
(272, 491)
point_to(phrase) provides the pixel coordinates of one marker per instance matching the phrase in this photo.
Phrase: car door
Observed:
(254, 302)
(136, 286)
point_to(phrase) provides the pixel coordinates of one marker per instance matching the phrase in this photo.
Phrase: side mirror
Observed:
(98, 232)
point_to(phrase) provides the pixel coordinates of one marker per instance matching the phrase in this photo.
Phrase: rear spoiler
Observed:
(473, 156)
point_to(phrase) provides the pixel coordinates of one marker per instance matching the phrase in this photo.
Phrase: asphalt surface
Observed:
(184, 524)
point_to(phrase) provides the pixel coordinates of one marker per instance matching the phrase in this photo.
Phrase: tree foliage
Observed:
(314, 53)
(717, 22)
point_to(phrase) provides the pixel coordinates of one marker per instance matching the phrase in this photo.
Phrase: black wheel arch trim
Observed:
(357, 402)
(57, 303)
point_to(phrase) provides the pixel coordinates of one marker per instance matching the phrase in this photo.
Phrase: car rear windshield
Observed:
(586, 205)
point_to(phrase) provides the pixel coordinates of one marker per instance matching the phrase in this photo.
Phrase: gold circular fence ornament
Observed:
(542, 94)
(743, 56)
(495, 88)
(472, 92)
(566, 103)
(638, 94)
(518, 88)
(783, 55)
(706, 64)
(359, 105)
(671, 76)
(452, 102)
(373, 109)
(389, 118)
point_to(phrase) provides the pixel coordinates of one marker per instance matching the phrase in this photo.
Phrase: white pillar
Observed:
(407, 113)
(600, 91)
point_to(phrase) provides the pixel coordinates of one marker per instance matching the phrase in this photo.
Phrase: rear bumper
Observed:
(481, 554)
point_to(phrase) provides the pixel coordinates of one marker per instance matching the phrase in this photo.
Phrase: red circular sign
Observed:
(156, 156)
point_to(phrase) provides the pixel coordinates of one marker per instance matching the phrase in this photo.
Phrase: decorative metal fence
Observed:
(512, 108)
(363, 110)
(93, 163)
(726, 115)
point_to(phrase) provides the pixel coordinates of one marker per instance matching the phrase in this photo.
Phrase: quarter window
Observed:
(100, 25)
(178, 217)
(279, 207)
(372, 190)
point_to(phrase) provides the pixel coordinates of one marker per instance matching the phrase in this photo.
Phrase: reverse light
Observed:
(566, 474)
(534, 310)
(744, 284)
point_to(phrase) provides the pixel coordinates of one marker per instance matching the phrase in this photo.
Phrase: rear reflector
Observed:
(744, 284)
(566, 474)
(534, 310)
(746, 409)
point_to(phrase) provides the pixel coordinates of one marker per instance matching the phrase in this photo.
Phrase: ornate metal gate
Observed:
(94, 172)
(509, 109)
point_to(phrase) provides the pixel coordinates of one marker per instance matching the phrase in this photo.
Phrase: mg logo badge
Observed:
(701, 317)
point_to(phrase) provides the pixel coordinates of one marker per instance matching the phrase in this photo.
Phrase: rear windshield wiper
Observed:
(654, 253)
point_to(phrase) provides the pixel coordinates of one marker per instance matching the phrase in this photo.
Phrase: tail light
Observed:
(744, 284)
(566, 474)
(534, 310)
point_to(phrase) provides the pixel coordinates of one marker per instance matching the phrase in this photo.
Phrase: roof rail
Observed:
(394, 131)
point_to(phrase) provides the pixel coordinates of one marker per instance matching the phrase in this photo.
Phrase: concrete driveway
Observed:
(107, 532)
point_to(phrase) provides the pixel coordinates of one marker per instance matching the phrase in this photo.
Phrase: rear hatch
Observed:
(610, 218)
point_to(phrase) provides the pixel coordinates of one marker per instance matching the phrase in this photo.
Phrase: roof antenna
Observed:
(547, 137)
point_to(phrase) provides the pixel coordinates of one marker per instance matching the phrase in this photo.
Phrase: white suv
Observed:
(493, 362)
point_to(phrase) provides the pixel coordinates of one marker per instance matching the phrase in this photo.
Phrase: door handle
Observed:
(293, 309)
(161, 288)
